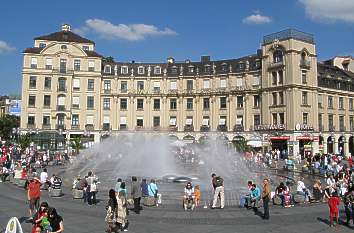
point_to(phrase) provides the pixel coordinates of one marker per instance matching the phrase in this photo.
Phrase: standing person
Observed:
(90, 181)
(56, 221)
(153, 190)
(122, 221)
(333, 204)
(111, 215)
(266, 196)
(83, 186)
(136, 194)
(219, 191)
(33, 195)
(144, 188)
(44, 178)
(117, 187)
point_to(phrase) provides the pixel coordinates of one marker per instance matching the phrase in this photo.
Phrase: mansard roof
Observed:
(64, 36)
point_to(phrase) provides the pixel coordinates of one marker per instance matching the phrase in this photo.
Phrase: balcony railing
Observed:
(305, 64)
(60, 126)
(222, 128)
(204, 128)
(31, 126)
(321, 128)
(106, 127)
(173, 128)
(46, 126)
(107, 91)
(276, 65)
(75, 126)
(331, 128)
(62, 89)
(342, 128)
(287, 34)
(238, 128)
(188, 128)
(61, 108)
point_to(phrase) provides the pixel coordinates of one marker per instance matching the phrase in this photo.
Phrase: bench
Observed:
(277, 200)
(298, 198)
(78, 194)
(55, 192)
(21, 183)
(149, 201)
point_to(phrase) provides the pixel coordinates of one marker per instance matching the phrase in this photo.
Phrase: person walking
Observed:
(266, 196)
(111, 215)
(219, 191)
(122, 221)
(33, 195)
(136, 194)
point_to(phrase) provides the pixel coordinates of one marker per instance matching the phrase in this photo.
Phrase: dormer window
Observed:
(258, 64)
(191, 69)
(207, 69)
(241, 66)
(42, 45)
(157, 70)
(174, 70)
(224, 67)
(124, 69)
(85, 48)
(277, 56)
(64, 46)
(141, 70)
(107, 69)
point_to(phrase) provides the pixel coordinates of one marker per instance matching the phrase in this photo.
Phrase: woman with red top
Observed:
(333, 203)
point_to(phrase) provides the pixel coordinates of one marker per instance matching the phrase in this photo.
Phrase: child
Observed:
(333, 203)
(197, 195)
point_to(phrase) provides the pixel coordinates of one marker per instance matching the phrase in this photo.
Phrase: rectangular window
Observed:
(76, 84)
(256, 120)
(189, 85)
(173, 104)
(124, 69)
(191, 69)
(239, 82)
(156, 86)
(351, 104)
(140, 104)
(42, 45)
(189, 103)
(330, 101)
(274, 78)
(156, 121)
(341, 123)
(107, 85)
(304, 98)
(62, 68)
(31, 101)
(47, 83)
(222, 102)
(319, 101)
(274, 95)
(206, 103)
(141, 70)
(173, 121)
(205, 121)
(89, 120)
(34, 63)
(90, 84)
(303, 77)
(280, 77)
(239, 120)
(106, 123)
(275, 118)
(157, 70)
(256, 101)
(91, 66)
(123, 104)
(90, 102)
(281, 98)
(281, 118)
(256, 81)
(106, 103)
(107, 69)
(140, 85)
(123, 122)
(31, 120)
(223, 83)
(173, 85)
(156, 104)
(206, 83)
(46, 101)
(76, 102)
(140, 122)
(46, 120)
(320, 123)
(341, 103)
(123, 86)
(77, 64)
(49, 63)
(85, 48)
(62, 84)
(351, 123)
(305, 118)
(239, 102)
(75, 120)
(33, 82)
(330, 122)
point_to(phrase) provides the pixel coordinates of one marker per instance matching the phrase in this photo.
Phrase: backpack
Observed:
(219, 181)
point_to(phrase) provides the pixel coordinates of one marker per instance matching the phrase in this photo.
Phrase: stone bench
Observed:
(276, 200)
(78, 194)
(298, 198)
(55, 192)
(315, 171)
(21, 183)
(149, 201)
(305, 169)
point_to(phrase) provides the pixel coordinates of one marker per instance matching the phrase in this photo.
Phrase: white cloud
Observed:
(330, 10)
(131, 32)
(5, 47)
(257, 18)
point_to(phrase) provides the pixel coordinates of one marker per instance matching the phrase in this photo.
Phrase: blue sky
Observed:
(153, 30)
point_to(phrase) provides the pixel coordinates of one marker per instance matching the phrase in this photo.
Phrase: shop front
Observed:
(279, 142)
(306, 144)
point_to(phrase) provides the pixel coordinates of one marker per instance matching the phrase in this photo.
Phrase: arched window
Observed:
(277, 56)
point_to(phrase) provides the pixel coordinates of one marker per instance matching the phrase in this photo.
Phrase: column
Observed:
(296, 148)
(335, 145)
(346, 148)
(315, 147)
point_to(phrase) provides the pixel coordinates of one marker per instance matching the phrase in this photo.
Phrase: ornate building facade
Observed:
(280, 97)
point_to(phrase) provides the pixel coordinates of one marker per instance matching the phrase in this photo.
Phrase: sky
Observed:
(151, 31)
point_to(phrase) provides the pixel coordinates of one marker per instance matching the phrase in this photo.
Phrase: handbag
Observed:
(155, 193)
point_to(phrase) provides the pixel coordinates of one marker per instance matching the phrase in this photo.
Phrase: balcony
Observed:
(75, 127)
(62, 89)
(123, 127)
(107, 91)
(31, 126)
(238, 128)
(222, 128)
(156, 128)
(123, 91)
(61, 108)
(46, 126)
(60, 126)
(139, 128)
(173, 128)
(188, 128)
(204, 128)
(331, 128)
(276, 65)
(305, 64)
(63, 71)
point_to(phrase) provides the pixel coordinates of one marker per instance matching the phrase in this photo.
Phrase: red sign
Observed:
(279, 137)
(311, 138)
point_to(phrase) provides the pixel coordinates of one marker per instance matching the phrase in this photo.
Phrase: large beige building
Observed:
(280, 97)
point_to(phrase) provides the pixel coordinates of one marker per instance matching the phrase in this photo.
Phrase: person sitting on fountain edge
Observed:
(189, 195)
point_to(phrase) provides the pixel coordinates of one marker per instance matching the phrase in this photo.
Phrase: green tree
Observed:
(7, 123)
(76, 144)
(108, 59)
(241, 146)
(24, 141)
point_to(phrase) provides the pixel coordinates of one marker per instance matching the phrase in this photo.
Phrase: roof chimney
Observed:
(65, 27)
(205, 59)
(170, 60)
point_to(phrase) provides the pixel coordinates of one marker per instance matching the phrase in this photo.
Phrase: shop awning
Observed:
(254, 143)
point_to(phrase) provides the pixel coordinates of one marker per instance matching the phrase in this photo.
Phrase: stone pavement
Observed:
(80, 218)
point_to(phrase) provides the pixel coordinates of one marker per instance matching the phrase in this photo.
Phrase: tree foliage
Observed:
(108, 59)
(76, 144)
(25, 141)
(7, 123)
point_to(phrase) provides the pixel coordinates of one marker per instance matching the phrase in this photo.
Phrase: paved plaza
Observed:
(80, 218)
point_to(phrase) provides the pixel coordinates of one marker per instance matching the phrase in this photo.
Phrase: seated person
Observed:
(56, 182)
(188, 195)
(255, 197)
(317, 191)
(302, 190)
(279, 191)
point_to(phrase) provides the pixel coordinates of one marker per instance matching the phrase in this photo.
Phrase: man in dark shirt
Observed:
(136, 194)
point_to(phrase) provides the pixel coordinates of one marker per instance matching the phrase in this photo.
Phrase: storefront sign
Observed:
(310, 138)
(269, 127)
(303, 127)
(279, 137)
